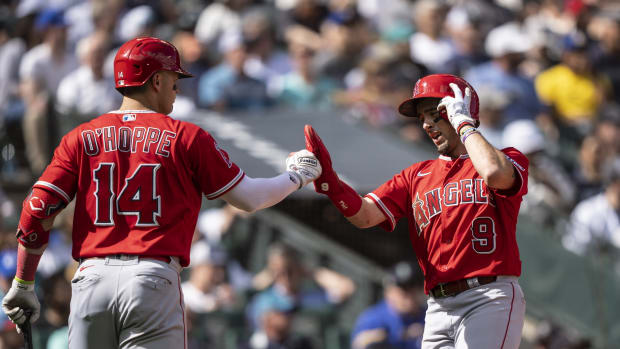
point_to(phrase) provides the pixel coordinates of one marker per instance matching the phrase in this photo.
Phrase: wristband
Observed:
(26, 265)
(467, 133)
(22, 285)
(295, 178)
(346, 200)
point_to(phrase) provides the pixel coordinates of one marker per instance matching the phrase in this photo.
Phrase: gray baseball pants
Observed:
(127, 302)
(490, 316)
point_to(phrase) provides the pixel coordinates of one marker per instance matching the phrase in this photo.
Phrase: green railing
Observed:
(574, 291)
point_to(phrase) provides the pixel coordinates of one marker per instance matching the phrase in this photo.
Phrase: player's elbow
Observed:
(246, 206)
(497, 177)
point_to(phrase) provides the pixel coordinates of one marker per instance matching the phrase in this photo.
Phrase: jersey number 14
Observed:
(138, 197)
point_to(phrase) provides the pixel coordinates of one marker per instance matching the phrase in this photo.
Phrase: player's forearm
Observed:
(368, 216)
(489, 162)
(253, 194)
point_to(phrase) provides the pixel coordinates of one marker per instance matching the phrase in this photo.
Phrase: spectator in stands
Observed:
(595, 222)
(572, 89)
(217, 18)
(12, 107)
(588, 173)
(136, 21)
(303, 86)
(550, 335)
(55, 314)
(193, 60)
(507, 45)
(378, 84)
(428, 45)
(212, 226)
(207, 289)
(492, 104)
(266, 61)
(551, 192)
(607, 127)
(40, 73)
(343, 37)
(308, 13)
(276, 332)
(467, 38)
(87, 92)
(226, 86)
(397, 322)
(606, 54)
(288, 284)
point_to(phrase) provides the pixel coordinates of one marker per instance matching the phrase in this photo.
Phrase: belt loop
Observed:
(473, 282)
(442, 291)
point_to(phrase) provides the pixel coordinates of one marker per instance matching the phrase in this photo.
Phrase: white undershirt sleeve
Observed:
(252, 194)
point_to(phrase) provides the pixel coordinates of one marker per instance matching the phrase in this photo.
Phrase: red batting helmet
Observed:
(438, 86)
(138, 59)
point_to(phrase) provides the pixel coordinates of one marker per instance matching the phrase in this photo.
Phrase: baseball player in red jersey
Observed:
(138, 178)
(462, 210)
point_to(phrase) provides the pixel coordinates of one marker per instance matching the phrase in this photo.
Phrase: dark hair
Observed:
(129, 91)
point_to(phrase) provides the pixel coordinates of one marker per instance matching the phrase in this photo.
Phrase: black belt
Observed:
(453, 288)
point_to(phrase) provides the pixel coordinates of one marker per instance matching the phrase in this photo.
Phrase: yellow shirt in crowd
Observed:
(574, 97)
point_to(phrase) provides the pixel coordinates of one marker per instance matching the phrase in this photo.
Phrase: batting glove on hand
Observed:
(304, 165)
(20, 299)
(457, 108)
(342, 195)
(328, 182)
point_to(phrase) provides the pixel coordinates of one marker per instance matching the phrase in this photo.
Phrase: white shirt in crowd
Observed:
(79, 92)
(39, 65)
(593, 221)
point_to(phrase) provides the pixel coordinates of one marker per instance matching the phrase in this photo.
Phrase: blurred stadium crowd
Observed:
(547, 73)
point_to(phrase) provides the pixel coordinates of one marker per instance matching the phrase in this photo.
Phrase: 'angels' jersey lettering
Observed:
(459, 227)
(138, 183)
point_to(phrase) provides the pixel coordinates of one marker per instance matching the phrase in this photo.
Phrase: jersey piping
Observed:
(227, 187)
(383, 208)
(55, 189)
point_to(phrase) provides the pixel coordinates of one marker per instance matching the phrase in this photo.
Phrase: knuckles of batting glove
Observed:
(457, 108)
(19, 299)
(305, 166)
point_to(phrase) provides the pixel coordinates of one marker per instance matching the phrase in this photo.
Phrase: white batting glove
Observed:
(457, 108)
(303, 165)
(18, 300)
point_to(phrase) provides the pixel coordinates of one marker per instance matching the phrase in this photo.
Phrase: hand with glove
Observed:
(342, 195)
(457, 108)
(19, 301)
(304, 166)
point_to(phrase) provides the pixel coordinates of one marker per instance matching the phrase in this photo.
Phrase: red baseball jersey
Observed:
(459, 227)
(138, 178)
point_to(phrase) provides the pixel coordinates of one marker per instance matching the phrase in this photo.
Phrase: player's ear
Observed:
(156, 81)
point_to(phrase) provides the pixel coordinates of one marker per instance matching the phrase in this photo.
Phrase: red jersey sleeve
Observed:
(521, 165)
(216, 173)
(392, 198)
(61, 175)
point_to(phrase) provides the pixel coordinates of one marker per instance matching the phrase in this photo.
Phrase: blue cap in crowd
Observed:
(575, 41)
(50, 18)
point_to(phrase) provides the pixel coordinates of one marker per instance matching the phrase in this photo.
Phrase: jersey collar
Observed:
(447, 158)
(147, 111)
